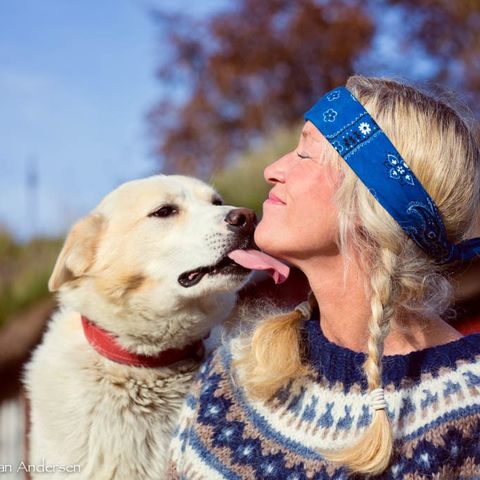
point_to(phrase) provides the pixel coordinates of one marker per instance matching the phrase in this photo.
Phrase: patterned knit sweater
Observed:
(433, 398)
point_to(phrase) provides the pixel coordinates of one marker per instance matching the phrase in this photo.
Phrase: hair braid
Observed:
(382, 314)
(275, 338)
(372, 451)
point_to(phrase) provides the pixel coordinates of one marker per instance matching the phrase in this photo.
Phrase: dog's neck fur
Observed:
(148, 332)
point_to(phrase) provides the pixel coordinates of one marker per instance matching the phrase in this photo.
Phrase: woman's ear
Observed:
(78, 252)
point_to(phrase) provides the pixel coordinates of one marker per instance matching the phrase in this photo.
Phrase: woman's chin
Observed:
(269, 241)
(262, 236)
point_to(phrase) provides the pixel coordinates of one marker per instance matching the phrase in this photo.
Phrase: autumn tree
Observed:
(256, 66)
(247, 70)
(449, 30)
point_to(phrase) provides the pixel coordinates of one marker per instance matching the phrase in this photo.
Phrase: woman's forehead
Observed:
(310, 132)
(316, 144)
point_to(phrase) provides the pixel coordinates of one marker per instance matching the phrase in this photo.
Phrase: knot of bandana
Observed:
(355, 135)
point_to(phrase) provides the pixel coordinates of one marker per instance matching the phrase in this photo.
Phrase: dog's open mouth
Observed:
(239, 261)
(225, 266)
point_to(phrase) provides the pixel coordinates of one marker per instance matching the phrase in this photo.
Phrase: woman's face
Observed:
(300, 219)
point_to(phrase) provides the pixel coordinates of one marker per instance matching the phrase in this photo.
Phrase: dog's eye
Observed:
(217, 201)
(165, 211)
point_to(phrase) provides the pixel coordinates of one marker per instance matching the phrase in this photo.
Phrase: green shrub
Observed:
(24, 272)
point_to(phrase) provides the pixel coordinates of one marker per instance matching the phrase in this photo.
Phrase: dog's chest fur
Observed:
(112, 420)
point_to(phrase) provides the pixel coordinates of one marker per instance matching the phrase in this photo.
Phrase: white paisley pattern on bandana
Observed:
(399, 170)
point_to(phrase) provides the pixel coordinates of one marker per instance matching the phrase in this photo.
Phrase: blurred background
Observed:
(95, 93)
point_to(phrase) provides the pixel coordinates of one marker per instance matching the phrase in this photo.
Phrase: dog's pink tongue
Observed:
(256, 260)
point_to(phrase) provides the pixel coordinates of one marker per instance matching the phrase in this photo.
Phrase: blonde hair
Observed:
(441, 149)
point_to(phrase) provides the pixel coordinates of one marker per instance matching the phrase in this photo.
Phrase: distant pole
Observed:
(31, 184)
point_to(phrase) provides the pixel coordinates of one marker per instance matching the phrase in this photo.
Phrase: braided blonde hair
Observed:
(441, 149)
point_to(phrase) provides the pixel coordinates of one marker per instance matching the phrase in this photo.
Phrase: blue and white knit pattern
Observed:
(433, 398)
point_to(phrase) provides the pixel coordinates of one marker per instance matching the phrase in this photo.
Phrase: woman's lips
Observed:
(273, 199)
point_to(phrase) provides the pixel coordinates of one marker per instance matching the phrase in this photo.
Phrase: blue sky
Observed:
(76, 80)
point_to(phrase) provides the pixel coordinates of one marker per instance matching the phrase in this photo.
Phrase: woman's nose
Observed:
(274, 173)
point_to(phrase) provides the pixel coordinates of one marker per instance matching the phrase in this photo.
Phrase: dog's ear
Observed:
(78, 252)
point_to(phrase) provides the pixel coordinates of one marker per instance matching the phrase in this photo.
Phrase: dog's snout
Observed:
(241, 220)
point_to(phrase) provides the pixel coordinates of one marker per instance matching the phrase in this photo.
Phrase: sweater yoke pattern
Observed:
(433, 398)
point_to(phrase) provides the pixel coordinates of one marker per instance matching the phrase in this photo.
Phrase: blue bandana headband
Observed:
(355, 135)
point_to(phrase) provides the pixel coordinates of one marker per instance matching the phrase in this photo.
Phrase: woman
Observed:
(365, 378)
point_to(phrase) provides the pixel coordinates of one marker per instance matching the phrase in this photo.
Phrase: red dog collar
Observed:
(106, 345)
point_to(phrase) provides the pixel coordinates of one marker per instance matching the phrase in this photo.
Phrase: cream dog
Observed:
(148, 270)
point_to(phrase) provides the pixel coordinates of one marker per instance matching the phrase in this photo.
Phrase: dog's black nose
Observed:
(241, 220)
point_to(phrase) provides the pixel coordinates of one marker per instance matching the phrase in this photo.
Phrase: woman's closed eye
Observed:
(302, 155)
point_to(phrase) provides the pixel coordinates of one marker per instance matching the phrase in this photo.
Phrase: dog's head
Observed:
(150, 262)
